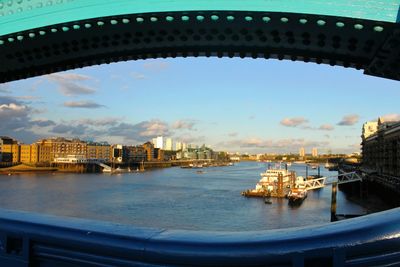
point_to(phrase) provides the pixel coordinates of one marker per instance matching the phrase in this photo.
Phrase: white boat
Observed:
(328, 165)
(269, 179)
(269, 183)
(297, 195)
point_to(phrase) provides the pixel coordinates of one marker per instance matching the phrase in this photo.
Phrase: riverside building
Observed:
(381, 148)
(9, 150)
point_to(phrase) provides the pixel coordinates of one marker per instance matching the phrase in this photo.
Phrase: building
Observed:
(29, 153)
(117, 153)
(149, 148)
(381, 149)
(314, 152)
(168, 144)
(60, 147)
(158, 154)
(72, 159)
(302, 152)
(202, 152)
(99, 152)
(9, 150)
(178, 146)
(369, 128)
(159, 142)
(134, 154)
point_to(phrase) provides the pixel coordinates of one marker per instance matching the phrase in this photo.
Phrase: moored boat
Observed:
(273, 183)
(297, 196)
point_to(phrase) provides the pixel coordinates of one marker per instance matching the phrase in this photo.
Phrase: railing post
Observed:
(333, 202)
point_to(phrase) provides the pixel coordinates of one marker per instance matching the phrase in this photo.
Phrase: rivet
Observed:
(358, 26)
(340, 24)
(303, 21)
(200, 18)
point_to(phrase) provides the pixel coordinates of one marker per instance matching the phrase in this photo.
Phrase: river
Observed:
(171, 198)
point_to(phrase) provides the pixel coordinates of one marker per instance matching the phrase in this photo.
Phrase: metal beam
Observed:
(28, 239)
(39, 37)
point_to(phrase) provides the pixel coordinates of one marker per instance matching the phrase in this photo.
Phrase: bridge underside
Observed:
(373, 46)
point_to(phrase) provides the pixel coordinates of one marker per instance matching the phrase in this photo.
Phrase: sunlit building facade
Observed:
(381, 150)
(302, 152)
(314, 152)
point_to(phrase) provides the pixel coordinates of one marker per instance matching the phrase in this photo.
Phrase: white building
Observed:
(302, 152)
(184, 146)
(159, 142)
(369, 128)
(314, 152)
(178, 146)
(168, 144)
(71, 159)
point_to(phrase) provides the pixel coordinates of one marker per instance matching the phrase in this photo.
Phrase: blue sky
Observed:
(244, 105)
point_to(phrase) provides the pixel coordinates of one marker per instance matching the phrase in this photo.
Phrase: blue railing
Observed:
(28, 239)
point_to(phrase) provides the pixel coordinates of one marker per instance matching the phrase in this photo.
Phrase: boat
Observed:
(314, 166)
(197, 166)
(267, 200)
(297, 194)
(273, 182)
(329, 165)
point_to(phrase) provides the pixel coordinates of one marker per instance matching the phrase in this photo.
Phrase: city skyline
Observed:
(243, 105)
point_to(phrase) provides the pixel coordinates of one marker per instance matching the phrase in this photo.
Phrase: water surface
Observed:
(171, 198)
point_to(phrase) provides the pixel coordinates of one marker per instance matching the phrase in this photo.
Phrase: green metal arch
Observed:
(43, 36)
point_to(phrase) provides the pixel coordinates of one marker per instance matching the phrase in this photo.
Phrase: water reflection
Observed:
(171, 198)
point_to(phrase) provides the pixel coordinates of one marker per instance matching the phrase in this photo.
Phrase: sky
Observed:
(235, 105)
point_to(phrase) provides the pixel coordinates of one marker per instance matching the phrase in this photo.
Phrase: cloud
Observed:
(69, 129)
(15, 118)
(12, 109)
(43, 123)
(82, 104)
(326, 127)
(293, 122)
(252, 117)
(190, 139)
(100, 122)
(27, 97)
(349, 120)
(140, 132)
(391, 117)
(156, 65)
(68, 83)
(183, 124)
(233, 134)
(280, 145)
(138, 76)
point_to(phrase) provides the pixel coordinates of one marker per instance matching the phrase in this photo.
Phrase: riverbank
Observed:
(22, 168)
(94, 168)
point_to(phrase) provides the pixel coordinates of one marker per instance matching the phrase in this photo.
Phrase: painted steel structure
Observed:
(45, 36)
(41, 240)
